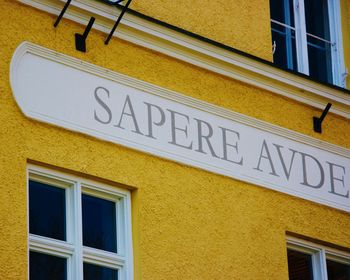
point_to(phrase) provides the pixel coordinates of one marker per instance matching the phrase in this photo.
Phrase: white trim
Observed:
(43, 244)
(300, 37)
(100, 257)
(338, 256)
(202, 54)
(58, 249)
(312, 246)
(78, 232)
(73, 249)
(311, 250)
(320, 254)
(338, 66)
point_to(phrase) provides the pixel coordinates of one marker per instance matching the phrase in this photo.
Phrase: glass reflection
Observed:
(47, 210)
(99, 223)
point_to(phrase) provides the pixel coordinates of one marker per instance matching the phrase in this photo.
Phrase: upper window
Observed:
(310, 261)
(78, 229)
(306, 37)
(113, 2)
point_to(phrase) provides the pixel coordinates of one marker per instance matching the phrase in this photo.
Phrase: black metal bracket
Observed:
(62, 13)
(125, 8)
(80, 39)
(318, 121)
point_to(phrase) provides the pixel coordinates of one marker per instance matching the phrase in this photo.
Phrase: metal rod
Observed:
(88, 27)
(62, 13)
(319, 38)
(282, 24)
(325, 111)
(308, 34)
(318, 121)
(117, 22)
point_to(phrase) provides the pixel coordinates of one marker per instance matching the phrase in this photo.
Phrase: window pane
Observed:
(282, 11)
(94, 272)
(285, 52)
(319, 52)
(283, 34)
(299, 266)
(46, 267)
(99, 223)
(320, 60)
(338, 271)
(316, 17)
(47, 210)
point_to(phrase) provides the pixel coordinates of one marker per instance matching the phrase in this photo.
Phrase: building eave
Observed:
(204, 53)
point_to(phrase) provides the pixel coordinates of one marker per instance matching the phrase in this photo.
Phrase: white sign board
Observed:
(81, 97)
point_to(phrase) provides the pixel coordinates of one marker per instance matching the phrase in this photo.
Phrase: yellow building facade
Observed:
(186, 217)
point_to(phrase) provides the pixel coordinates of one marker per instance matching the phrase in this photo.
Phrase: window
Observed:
(113, 2)
(78, 229)
(310, 261)
(306, 37)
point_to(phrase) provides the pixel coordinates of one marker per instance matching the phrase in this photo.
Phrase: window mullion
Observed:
(300, 36)
(323, 265)
(319, 267)
(78, 238)
(103, 258)
(70, 222)
(289, 42)
(338, 67)
(48, 245)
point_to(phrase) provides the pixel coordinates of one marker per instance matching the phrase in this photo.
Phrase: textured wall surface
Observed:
(224, 21)
(187, 223)
(345, 21)
(346, 40)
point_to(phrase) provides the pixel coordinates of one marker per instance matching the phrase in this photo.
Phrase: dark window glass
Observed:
(46, 267)
(299, 266)
(319, 51)
(94, 272)
(283, 34)
(47, 210)
(282, 11)
(316, 18)
(320, 65)
(285, 52)
(338, 271)
(99, 223)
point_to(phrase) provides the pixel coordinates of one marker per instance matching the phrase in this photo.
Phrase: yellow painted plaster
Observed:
(187, 223)
(345, 8)
(224, 21)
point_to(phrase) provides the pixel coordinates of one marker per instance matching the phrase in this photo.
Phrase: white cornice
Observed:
(184, 47)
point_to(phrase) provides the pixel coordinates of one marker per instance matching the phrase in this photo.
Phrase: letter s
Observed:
(103, 105)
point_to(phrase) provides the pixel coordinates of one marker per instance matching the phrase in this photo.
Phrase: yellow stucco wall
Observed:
(224, 21)
(346, 40)
(187, 223)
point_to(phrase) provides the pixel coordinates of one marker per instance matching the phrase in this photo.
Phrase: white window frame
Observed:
(72, 249)
(337, 54)
(319, 255)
